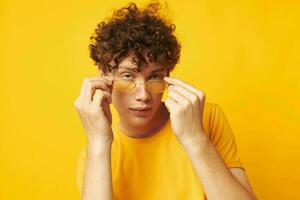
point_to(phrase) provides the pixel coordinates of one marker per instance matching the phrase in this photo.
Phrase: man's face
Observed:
(139, 97)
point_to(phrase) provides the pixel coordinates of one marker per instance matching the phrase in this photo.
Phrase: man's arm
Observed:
(97, 178)
(216, 178)
(241, 176)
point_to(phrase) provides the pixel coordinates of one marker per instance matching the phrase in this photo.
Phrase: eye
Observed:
(156, 77)
(127, 76)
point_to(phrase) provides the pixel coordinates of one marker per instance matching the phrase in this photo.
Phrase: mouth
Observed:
(141, 108)
(141, 111)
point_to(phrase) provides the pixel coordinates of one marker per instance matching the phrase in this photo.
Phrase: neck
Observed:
(157, 121)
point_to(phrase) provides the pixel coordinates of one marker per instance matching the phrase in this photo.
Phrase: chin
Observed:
(139, 121)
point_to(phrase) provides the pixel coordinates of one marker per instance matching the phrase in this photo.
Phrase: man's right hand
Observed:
(94, 111)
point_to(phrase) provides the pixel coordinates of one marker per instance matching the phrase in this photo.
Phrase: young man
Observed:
(182, 148)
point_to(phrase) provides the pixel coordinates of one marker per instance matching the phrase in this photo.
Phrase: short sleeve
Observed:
(223, 138)
(80, 170)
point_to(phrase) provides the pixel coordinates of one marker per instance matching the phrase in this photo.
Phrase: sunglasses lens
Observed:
(156, 86)
(123, 85)
(127, 85)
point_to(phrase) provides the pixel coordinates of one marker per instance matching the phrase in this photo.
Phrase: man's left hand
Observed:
(185, 104)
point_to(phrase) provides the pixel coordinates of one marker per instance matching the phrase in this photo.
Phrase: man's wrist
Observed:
(196, 145)
(98, 147)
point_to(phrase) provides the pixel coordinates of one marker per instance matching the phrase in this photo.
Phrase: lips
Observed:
(141, 108)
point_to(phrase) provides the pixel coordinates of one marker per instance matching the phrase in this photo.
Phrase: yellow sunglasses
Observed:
(128, 85)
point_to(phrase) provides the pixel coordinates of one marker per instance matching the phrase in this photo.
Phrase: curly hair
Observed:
(133, 31)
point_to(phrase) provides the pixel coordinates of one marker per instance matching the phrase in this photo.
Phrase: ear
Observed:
(101, 72)
(107, 74)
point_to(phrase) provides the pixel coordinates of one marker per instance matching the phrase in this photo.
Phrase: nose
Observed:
(141, 92)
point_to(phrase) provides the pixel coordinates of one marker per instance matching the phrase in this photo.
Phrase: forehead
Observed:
(146, 69)
(128, 65)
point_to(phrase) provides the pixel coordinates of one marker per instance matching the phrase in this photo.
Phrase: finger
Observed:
(99, 97)
(99, 84)
(171, 105)
(90, 86)
(193, 98)
(181, 83)
(106, 80)
(107, 112)
(184, 102)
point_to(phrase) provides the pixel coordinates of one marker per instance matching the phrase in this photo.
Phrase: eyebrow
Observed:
(133, 69)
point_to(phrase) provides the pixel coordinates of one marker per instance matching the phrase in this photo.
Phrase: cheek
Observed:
(156, 100)
(120, 100)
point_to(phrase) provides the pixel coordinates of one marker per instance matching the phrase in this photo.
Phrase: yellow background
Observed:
(243, 54)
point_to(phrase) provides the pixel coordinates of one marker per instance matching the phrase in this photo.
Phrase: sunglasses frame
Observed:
(134, 84)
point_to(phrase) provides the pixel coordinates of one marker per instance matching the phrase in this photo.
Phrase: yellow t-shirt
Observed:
(158, 167)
